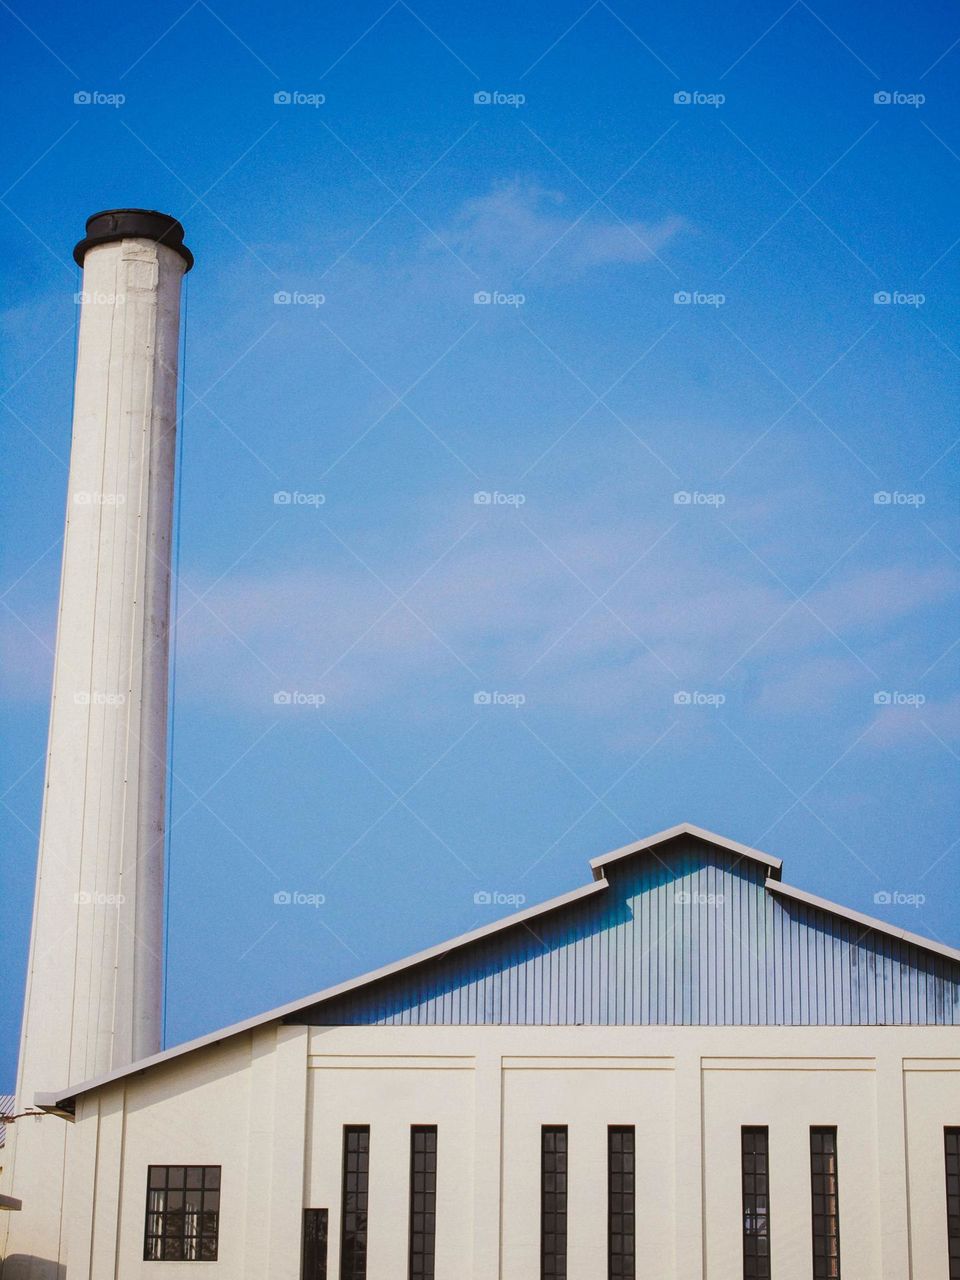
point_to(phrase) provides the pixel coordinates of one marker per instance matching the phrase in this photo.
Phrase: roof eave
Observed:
(65, 1100)
(858, 917)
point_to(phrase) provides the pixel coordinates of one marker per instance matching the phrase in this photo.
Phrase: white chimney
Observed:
(94, 982)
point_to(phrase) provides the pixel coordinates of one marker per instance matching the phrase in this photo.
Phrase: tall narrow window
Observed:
(756, 1202)
(423, 1201)
(183, 1213)
(314, 1263)
(353, 1219)
(951, 1141)
(826, 1206)
(553, 1202)
(621, 1202)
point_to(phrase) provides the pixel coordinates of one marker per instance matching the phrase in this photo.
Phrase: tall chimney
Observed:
(93, 996)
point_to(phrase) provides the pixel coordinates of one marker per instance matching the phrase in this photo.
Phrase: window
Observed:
(553, 1202)
(826, 1206)
(951, 1141)
(183, 1213)
(353, 1221)
(423, 1200)
(314, 1262)
(621, 1207)
(756, 1203)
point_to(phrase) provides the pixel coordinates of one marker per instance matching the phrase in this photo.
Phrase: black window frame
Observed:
(824, 1188)
(951, 1168)
(554, 1168)
(160, 1243)
(313, 1249)
(422, 1236)
(354, 1201)
(754, 1168)
(621, 1202)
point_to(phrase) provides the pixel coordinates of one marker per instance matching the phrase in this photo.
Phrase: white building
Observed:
(684, 1069)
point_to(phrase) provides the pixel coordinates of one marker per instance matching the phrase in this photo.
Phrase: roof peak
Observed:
(773, 864)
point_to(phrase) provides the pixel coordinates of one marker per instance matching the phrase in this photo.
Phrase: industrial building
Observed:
(684, 1069)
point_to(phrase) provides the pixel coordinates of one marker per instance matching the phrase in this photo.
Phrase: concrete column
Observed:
(288, 1155)
(93, 998)
(488, 1157)
(892, 1169)
(688, 1197)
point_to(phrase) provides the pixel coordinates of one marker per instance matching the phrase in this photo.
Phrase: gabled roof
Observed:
(63, 1100)
(684, 829)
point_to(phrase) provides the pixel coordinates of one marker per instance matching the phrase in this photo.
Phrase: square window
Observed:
(182, 1218)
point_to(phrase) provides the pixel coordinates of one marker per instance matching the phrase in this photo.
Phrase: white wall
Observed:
(270, 1106)
(587, 1095)
(932, 1091)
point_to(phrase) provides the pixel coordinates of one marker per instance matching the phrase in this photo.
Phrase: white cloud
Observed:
(904, 725)
(518, 223)
(520, 617)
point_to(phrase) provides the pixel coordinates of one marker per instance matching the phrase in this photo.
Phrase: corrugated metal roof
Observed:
(683, 928)
(697, 936)
(7, 1106)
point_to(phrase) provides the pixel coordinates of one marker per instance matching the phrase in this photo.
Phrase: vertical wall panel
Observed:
(690, 936)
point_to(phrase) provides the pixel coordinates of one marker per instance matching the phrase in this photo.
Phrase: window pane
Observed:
(315, 1225)
(182, 1218)
(951, 1143)
(824, 1195)
(756, 1208)
(423, 1201)
(553, 1202)
(353, 1223)
(621, 1220)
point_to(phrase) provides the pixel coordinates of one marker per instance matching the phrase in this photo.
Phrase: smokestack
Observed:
(93, 998)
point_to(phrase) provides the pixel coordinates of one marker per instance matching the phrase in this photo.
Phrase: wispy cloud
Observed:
(520, 223)
(908, 724)
(516, 606)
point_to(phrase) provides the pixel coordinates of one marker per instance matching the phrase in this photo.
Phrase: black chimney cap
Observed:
(126, 224)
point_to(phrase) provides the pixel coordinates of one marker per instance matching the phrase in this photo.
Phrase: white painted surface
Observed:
(93, 998)
(269, 1106)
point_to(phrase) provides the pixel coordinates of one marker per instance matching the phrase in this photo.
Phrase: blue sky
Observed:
(772, 659)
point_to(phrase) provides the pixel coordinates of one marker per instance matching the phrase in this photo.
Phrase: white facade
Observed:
(268, 1105)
